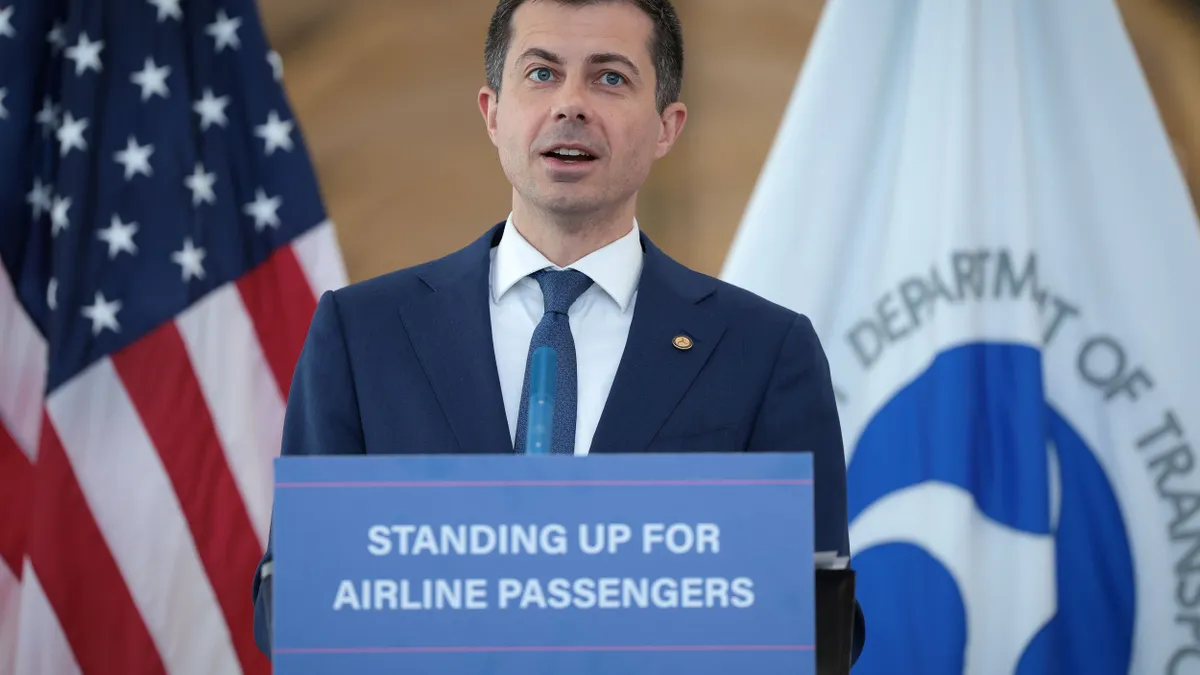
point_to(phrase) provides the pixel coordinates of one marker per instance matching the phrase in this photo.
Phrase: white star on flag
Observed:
(119, 237)
(190, 260)
(276, 62)
(48, 116)
(276, 133)
(85, 54)
(135, 158)
(6, 27)
(70, 134)
(224, 31)
(39, 198)
(201, 185)
(103, 314)
(152, 79)
(211, 109)
(3, 110)
(56, 38)
(264, 210)
(58, 215)
(167, 9)
(52, 294)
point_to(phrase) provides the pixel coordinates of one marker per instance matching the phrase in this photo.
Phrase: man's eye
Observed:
(540, 74)
(614, 79)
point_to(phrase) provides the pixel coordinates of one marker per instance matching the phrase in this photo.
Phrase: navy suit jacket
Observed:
(404, 363)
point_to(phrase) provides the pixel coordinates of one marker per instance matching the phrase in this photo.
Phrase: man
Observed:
(581, 99)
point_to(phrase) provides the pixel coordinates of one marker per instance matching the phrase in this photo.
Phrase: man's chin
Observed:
(570, 203)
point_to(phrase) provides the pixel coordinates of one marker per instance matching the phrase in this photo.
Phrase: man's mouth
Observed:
(570, 155)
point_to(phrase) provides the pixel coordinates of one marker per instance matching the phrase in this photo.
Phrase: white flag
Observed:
(978, 207)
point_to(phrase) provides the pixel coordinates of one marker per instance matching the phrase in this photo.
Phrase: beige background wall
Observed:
(385, 92)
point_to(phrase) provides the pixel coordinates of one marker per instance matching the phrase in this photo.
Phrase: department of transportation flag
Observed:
(163, 244)
(978, 206)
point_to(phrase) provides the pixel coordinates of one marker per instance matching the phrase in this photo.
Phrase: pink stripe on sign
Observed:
(545, 483)
(544, 648)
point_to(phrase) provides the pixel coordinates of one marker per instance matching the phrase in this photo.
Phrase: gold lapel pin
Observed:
(682, 342)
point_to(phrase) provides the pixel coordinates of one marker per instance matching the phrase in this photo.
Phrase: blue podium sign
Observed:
(544, 565)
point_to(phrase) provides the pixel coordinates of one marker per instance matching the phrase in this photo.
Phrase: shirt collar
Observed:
(615, 268)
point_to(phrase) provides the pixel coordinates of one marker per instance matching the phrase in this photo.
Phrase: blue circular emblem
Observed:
(978, 419)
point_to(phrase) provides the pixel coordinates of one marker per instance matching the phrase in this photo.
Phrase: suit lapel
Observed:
(451, 331)
(655, 373)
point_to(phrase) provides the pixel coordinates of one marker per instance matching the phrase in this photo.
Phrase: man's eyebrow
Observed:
(594, 59)
(610, 57)
(542, 54)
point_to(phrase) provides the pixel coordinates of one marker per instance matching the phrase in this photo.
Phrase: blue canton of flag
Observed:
(149, 158)
(163, 243)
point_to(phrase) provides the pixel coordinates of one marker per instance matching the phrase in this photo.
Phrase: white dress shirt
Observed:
(599, 320)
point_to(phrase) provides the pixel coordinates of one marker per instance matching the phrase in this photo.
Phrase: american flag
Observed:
(163, 244)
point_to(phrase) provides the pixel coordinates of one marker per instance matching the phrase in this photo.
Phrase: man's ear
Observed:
(488, 99)
(673, 118)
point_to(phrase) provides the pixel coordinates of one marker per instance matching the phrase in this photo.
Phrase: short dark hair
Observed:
(666, 43)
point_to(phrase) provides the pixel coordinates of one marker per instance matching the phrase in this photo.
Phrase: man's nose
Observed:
(571, 104)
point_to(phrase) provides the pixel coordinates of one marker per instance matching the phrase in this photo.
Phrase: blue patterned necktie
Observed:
(560, 290)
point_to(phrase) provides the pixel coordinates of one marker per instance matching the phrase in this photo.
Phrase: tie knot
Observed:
(561, 288)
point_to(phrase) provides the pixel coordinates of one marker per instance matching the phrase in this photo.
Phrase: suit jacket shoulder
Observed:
(401, 286)
(763, 320)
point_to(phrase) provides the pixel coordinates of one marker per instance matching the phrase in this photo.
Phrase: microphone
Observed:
(543, 377)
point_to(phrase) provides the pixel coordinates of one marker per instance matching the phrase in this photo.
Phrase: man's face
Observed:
(576, 124)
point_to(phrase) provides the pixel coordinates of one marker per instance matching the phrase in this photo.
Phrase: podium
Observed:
(532, 565)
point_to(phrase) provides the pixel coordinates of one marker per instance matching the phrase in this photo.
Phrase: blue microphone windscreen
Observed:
(543, 377)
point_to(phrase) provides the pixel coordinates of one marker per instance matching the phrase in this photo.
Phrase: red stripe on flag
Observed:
(281, 305)
(78, 574)
(158, 375)
(16, 491)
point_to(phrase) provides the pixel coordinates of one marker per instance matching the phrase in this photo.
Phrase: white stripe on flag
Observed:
(240, 392)
(108, 447)
(321, 258)
(22, 370)
(10, 602)
(43, 646)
